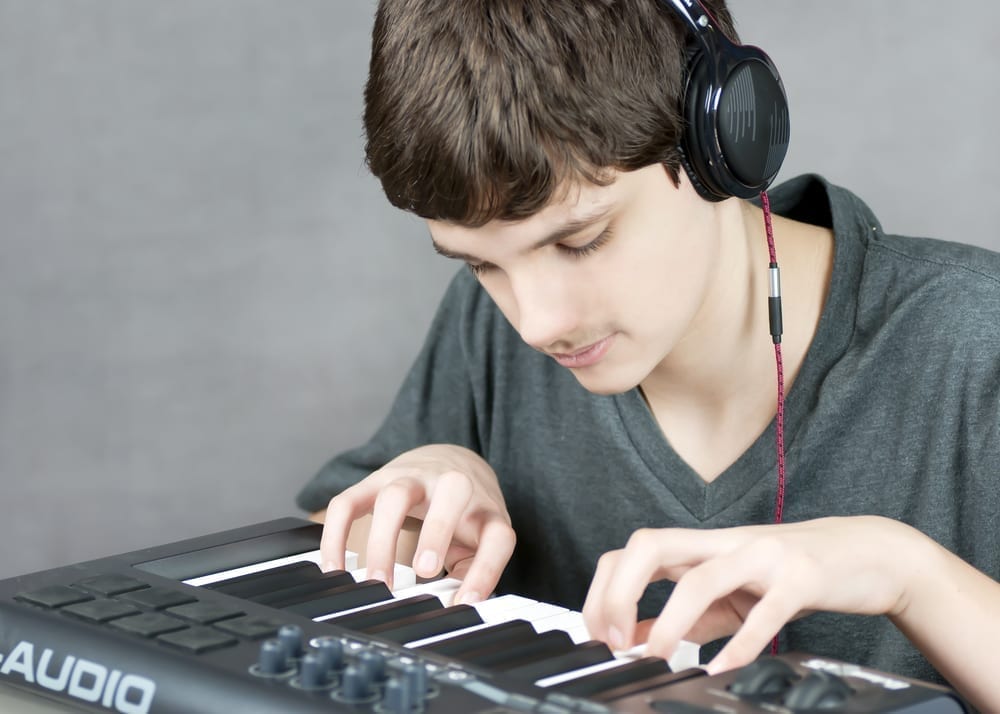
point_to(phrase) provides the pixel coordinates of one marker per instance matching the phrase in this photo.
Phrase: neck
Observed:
(717, 387)
(728, 340)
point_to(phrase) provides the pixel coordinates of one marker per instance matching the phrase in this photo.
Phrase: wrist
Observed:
(918, 563)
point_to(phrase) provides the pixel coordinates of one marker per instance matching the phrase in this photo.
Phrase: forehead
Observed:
(573, 204)
(578, 201)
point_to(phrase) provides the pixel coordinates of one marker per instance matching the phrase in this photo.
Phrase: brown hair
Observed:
(482, 109)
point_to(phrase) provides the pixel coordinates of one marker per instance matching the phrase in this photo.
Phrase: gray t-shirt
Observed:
(895, 411)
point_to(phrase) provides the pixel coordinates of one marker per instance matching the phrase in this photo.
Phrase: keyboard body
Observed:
(126, 634)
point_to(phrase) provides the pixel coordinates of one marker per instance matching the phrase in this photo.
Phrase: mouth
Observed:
(585, 357)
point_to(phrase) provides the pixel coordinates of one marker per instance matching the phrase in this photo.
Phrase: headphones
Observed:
(735, 111)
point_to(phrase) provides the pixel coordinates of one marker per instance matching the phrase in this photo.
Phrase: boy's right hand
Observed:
(466, 529)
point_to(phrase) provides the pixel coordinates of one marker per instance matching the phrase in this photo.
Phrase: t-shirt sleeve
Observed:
(435, 404)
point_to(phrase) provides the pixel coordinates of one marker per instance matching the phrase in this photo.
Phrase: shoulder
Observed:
(937, 289)
(953, 282)
(928, 310)
(932, 257)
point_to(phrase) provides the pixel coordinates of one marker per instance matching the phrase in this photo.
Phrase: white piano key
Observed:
(530, 611)
(567, 676)
(446, 635)
(579, 634)
(621, 657)
(444, 588)
(311, 556)
(572, 623)
(685, 657)
(569, 621)
(494, 609)
(403, 576)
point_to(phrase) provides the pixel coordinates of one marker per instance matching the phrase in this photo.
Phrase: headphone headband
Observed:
(701, 24)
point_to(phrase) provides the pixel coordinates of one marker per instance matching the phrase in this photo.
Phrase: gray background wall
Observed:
(203, 295)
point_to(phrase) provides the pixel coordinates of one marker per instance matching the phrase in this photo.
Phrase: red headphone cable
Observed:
(774, 324)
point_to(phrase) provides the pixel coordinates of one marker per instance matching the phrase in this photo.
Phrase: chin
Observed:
(605, 383)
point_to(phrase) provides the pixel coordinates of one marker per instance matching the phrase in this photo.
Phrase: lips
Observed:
(586, 357)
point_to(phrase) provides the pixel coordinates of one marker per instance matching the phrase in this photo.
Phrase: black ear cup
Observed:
(736, 121)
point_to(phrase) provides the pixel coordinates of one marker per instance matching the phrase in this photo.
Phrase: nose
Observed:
(547, 310)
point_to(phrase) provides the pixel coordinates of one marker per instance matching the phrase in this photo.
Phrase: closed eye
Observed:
(479, 269)
(585, 250)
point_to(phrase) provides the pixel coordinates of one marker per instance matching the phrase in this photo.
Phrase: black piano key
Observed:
(660, 680)
(317, 586)
(267, 580)
(556, 647)
(365, 620)
(346, 597)
(582, 655)
(547, 644)
(501, 635)
(591, 685)
(428, 624)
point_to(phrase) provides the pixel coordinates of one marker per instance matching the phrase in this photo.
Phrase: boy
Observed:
(599, 386)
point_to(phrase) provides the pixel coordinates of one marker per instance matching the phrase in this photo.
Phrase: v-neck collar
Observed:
(813, 200)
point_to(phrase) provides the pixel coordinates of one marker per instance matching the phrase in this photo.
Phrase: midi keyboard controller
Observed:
(244, 622)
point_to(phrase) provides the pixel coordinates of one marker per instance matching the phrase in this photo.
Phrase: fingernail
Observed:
(377, 575)
(427, 563)
(470, 598)
(327, 566)
(617, 638)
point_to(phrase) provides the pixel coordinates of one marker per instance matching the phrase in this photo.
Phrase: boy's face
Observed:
(606, 280)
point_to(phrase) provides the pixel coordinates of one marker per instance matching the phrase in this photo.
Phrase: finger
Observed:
(764, 621)
(341, 512)
(449, 500)
(643, 628)
(643, 560)
(719, 620)
(480, 577)
(649, 555)
(696, 592)
(593, 606)
(392, 504)
(722, 618)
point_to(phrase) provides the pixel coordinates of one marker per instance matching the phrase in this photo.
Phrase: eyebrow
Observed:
(565, 231)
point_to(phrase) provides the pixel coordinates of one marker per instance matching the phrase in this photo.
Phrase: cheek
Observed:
(665, 286)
